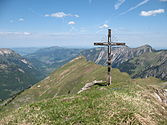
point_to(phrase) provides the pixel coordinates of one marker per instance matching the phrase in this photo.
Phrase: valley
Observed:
(16, 73)
(20, 72)
(51, 58)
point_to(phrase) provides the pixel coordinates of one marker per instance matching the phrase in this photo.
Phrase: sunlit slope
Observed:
(124, 103)
(54, 100)
(148, 64)
(69, 79)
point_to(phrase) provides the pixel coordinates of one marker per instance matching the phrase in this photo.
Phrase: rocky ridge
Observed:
(141, 62)
(119, 55)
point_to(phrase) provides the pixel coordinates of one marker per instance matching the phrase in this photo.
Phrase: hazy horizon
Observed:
(79, 23)
(75, 47)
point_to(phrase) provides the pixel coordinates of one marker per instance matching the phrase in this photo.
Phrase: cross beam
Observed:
(109, 62)
(109, 44)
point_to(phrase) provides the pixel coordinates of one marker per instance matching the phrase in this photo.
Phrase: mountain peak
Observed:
(146, 46)
(5, 51)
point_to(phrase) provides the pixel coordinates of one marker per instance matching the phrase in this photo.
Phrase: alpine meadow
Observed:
(83, 62)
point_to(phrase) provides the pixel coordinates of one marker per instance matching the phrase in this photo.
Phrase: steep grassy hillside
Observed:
(69, 79)
(126, 101)
(148, 64)
(121, 103)
(16, 73)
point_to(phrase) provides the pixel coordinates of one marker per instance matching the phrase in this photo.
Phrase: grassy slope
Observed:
(69, 79)
(126, 101)
(100, 105)
(147, 64)
(147, 60)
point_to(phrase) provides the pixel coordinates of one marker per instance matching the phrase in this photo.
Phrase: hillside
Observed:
(138, 62)
(16, 73)
(51, 58)
(68, 79)
(148, 64)
(126, 101)
(103, 106)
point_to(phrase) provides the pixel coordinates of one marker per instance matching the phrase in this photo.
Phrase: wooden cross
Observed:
(109, 62)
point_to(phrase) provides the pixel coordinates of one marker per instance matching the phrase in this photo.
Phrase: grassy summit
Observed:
(126, 101)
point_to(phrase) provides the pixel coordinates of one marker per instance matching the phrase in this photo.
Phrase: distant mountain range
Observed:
(16, 73)
(25, 50)
(47, 60)
(51, 58)
(119, 55)
(19, 72)
(141, 62)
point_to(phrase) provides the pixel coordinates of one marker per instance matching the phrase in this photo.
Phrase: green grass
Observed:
(100, 105)
(146, 61)
(125, 102)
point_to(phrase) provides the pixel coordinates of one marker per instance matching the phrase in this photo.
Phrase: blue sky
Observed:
(78, 23)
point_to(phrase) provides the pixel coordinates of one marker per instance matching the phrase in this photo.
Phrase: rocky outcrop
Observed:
(90, 84)
(7, 52)
(119, 55)
(141, 62)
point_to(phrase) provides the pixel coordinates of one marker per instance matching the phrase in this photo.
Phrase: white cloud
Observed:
(26, 33)
(18, 20)
(163, 0)
(21, 19)
(46, 15)
(138, 5)
(103, 26)
(61, 15)
(71, 23)
(15, 33)
(152, 12)
(118, 4)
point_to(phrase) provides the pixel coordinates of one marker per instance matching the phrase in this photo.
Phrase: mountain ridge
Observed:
(16, 73)
(122, 56)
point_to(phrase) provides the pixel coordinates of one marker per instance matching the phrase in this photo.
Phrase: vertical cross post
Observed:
(109, 78)
(109, 44)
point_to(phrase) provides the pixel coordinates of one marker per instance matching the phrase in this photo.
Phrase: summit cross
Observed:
(109, 62)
